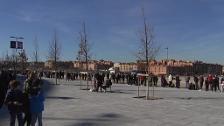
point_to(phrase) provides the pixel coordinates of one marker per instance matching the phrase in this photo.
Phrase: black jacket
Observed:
(14, 100)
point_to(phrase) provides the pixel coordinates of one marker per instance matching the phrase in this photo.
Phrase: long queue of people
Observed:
(119, 77)
(210, 82)
(26, 104)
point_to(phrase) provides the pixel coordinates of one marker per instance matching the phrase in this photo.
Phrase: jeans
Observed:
(13, 116)
(27, 119)
(35, 117)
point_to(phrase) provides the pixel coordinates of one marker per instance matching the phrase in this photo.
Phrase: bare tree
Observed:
(36, 52)
(22, 58)
(84, 48)
(147, 50)
(54, 53)
(8, 61)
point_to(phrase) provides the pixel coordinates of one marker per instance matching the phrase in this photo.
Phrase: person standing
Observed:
(210, 81)
(163, 81)
(26, 94)
(14, 102)
(170, 79)
(196, 82)
(206, 84)
(222, 84)
(187, 80)
(36, 107)
(215, 83)
(201, 81)
(155, 80)
(178, 81)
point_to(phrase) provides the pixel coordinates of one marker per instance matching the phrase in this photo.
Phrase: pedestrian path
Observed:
(67, 105)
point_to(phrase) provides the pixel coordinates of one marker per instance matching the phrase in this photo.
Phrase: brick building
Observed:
(61, 65)
(183, 67)
(126, 67)
(93, 65)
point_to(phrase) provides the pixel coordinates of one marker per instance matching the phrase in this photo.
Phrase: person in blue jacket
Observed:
(36, 104)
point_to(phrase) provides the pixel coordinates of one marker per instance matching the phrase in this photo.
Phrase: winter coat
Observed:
(14, 100)
(37, 103)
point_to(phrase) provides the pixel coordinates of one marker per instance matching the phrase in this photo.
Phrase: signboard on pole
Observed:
(13, 44)
(16, 45)
(19, 45)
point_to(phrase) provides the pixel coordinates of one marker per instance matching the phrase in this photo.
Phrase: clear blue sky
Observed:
(192, 29)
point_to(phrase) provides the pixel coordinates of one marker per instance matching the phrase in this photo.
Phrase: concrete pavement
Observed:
(67, 105)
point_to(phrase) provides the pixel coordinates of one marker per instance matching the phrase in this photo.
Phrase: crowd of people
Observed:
(24, 104)
(209, 82)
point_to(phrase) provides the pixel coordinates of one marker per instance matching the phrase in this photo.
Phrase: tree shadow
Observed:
(120, 92)
(62, 98)
(110, 115)
(104, 119)
(199, 98)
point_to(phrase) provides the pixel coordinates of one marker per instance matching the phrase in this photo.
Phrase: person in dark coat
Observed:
(196, 83)
(99, 84)
(177, 82)
(206, 84)
(108, 84)
(201, 81)
(31, 84)
(5, 78)
(163, 81)
(14, 101)
(155, 80)
(215, 83)
(36, 103)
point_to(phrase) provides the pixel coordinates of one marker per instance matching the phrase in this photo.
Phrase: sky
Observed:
(191, 29)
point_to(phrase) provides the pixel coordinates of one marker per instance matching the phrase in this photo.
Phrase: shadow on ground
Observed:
(104, 119)
(62, 98)
(199, 98)
(120, 92)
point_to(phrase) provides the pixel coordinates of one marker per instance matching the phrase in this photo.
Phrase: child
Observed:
(36, 103)
(14, 102)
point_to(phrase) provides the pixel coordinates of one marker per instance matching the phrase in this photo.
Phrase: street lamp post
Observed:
(167, 52)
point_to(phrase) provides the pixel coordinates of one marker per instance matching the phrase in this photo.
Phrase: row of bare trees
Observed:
(16, 61)
(147, 50)
(55, 50)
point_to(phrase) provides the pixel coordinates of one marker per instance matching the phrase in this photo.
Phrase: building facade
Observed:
(126, 67)
(61, 65)
(93, 65)
(180, 67)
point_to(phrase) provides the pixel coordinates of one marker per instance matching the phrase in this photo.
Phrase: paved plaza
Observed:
(67, 105)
